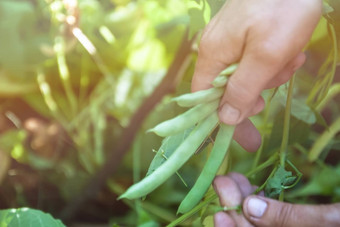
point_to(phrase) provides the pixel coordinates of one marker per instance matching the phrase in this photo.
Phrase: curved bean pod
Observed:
(220, 148)
(185, 120)
(199, 97)
(175, 161)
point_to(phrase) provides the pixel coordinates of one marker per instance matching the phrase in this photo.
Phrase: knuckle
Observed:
(240, 93)
(285, 215)
(271, 51)
(206, 45)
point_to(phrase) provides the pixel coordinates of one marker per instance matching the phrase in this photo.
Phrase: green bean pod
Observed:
(220, 81)
(184, 151)
(185, 120)
(230, 70)
(199, 97)
(220, 148)
(222, 78)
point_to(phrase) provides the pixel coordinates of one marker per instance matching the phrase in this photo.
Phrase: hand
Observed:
(266, 37)
(235, 189)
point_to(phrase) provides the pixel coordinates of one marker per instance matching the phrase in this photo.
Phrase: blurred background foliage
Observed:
(74, 73)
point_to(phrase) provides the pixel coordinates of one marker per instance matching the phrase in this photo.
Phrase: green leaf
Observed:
(298, 128)
(169, 145)
(324, 182)
(299, 108)
(280, 179)
(215, 6)
(199, 16)
(24, 217)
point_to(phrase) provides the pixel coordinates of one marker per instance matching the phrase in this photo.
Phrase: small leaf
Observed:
(280, 179)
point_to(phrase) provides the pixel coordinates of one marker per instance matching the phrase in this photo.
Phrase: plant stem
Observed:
(265, 183)
(323, 140)
(286, 125)
(210, 198)
(264, 165)
(265, 122)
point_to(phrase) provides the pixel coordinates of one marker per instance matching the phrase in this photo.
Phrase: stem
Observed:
(323, 140)
(64, 73)
(264, 136)
(305, 152)
(264, 165)
(197, 208)
(265, 183)
(286, 124)
(285, 139)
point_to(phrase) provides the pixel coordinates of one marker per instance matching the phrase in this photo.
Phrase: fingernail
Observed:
(229, 114)
(256, 207)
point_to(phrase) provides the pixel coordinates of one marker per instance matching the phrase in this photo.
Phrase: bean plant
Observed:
(95, 104)
(199, 126)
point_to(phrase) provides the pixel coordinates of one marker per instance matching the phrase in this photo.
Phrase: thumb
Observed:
(262, 211)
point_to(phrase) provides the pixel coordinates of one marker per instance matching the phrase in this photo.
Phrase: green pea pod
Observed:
(220, 148)
(175, 161)
(185, 120)
(199, 97)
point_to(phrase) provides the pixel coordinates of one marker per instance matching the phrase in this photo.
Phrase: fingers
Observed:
(221, 45)
(242, 97)
(243, 183)
(231, 195)
(228, 191)
(247, 136)
(222, 219)
(245, 86)
(267, 212)
(287, 72)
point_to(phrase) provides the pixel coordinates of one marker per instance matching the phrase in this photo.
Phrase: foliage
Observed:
(74, 73)
(27, 217)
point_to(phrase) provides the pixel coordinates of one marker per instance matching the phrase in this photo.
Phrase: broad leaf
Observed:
(24, 217)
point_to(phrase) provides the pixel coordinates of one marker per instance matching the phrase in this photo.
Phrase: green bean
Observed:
(175, 161)
(199, 97)
(220, 81)
(220, 148)
(230, 70)
(185, 120)
(222, 78)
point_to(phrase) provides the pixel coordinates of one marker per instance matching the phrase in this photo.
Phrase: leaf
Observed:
(197, 12)
(299, 108)
(24, 217)
(280, 179)
(20, 36)
(215, 6)
(169, 145)
(324, 182)
(298, 128)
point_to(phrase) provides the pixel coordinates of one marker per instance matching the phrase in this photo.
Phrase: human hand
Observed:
(235, 189)
(266, 37)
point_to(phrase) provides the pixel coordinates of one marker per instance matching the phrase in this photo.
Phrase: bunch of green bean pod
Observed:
(204, 118)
